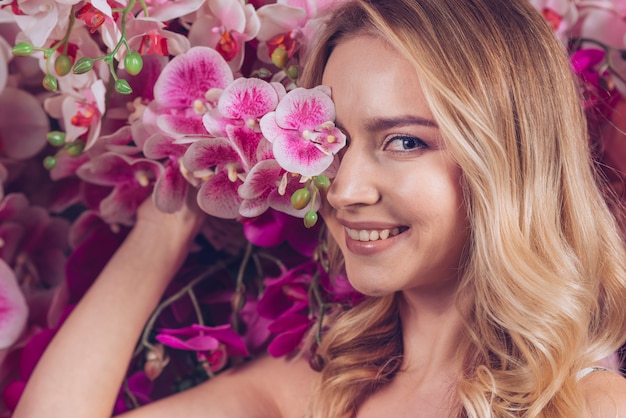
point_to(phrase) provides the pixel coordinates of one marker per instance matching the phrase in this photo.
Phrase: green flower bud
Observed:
(293, 72)
(23, 49)
(83, 65)
(62, 65)
(310, 219)
(279, 57)
(50, 83)
(321, 182)
(56, 138)
(133, 63)
(49, 162)
(122, 86)
(300, 198)
(75, 149)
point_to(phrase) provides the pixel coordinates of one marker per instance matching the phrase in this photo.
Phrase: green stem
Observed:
(167, 302)
(240, 289)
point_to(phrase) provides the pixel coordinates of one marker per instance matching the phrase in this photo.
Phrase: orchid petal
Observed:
(189, 76)
(207, 153)
(218, 197)
(13, 308)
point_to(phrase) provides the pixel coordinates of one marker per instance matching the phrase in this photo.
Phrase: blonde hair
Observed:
(545, 276)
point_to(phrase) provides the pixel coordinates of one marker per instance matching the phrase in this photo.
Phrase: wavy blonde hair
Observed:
(545, 277)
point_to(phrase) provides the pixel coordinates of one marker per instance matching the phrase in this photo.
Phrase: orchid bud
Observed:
(49, 162)
(75, 149)
(300, 198)
(50, 83)
(23, 49)
(122, 87)
(56, 138)
(133, 63)
(62, 65)
(310, 219)
(280, 57)
(83, 65)
(293, 72)
(322, 182)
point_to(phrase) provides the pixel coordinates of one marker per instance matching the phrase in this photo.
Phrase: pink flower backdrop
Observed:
(104, 104)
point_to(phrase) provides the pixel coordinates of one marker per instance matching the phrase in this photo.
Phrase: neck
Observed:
(432, 331)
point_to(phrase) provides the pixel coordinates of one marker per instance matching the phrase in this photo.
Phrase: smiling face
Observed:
(396, 206)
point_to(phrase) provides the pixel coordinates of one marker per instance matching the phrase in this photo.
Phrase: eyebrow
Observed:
(382, 123)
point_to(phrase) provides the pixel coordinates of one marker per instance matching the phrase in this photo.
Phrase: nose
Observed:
(355, 183)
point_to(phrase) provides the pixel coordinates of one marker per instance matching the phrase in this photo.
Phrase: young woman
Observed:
(467, 208)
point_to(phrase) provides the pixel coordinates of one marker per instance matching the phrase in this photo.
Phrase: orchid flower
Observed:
(183, 92)
(225, 25)
(239, 148)
(130, 179)
(302, 131)
(212, 344)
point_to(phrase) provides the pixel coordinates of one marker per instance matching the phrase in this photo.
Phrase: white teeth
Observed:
(366, 235)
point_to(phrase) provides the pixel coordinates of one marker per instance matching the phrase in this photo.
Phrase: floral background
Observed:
(104, 104)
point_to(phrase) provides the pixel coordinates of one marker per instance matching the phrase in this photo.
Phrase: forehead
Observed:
(370, 79)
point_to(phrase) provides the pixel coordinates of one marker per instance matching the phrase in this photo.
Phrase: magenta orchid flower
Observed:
(302, 131)
(182, 94)
(213, 344)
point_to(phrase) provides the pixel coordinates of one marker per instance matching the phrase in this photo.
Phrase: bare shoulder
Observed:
(605, 393)
(262, 388)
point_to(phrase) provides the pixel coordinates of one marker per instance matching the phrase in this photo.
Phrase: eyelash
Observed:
(417, 143)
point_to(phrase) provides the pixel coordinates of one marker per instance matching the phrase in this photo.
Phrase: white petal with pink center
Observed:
(13, 308)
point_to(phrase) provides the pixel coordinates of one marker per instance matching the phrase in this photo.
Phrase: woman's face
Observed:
(396, 206)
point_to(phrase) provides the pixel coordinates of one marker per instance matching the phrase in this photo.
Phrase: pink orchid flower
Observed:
(131, 180)
(238, 149)
(40, 18)
(182, 94)
(243, 103)
(225, 25)
(13, 308)
(171, 187)
(302, 131)
(213, 344)
(81, 112)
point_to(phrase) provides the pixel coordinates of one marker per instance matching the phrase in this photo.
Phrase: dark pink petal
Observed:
(170, 189)
(33, 350)
(207, 153)
(120, 207)
(12, 206)
(12, 393)
(247, 98)
(188, 77)
(246, 142)
(266, 230)
(179, 124)
(290, 338)
(67, 166)
(197, 343)
(162, 146)
(218, 197)
(107, 170)
(13, 308)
